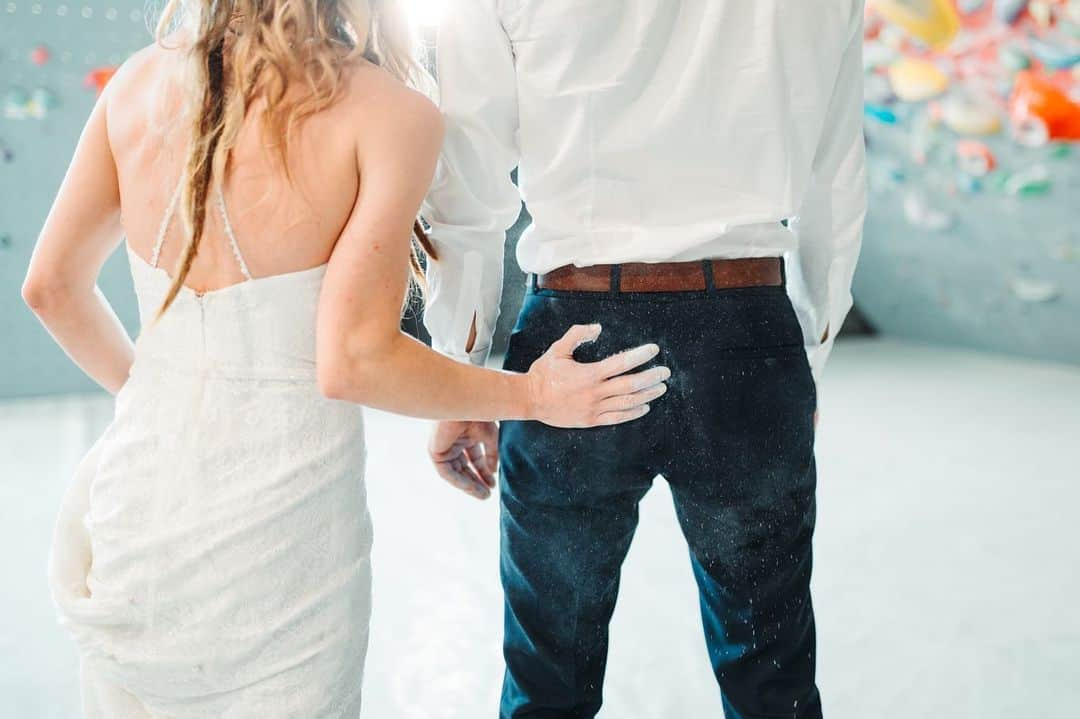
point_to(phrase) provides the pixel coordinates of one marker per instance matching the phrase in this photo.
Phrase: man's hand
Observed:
(466, 454)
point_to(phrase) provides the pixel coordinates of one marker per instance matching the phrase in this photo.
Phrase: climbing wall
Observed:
(54, 56)
(973, 118)
(971, 238)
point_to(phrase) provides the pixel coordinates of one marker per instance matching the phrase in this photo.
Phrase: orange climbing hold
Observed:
(1038, 102)
(99, 77)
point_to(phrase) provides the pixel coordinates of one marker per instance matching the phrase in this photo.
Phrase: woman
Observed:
(212, 556)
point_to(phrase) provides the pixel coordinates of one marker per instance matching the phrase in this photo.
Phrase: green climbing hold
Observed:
(1031, 181)
(1060, 151)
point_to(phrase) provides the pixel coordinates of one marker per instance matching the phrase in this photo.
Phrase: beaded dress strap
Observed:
(231, 235)
(167, 219)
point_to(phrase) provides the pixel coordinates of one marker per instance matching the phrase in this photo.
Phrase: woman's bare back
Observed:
(282, 224)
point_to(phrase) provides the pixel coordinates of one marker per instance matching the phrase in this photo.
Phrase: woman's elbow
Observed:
(332, 378)
(42, 293)
(347, 371)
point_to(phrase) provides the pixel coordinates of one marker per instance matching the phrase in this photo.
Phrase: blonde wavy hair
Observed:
(272, 46)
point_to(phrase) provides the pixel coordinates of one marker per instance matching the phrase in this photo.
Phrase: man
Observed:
(686, 164)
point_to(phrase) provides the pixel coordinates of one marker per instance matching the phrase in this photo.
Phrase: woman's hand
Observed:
(567, 393)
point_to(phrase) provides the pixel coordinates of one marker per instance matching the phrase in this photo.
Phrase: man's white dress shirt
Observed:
(647, 131)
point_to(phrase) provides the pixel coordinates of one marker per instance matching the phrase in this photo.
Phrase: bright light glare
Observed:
(424, 13)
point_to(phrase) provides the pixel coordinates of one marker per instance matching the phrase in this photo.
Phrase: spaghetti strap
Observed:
(166, 220)
(231, 235)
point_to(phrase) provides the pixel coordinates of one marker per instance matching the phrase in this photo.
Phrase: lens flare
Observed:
(425, 13)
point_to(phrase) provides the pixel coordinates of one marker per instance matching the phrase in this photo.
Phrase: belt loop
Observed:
(534, 282)
(710, 279)
(616, 279)
(783, 271)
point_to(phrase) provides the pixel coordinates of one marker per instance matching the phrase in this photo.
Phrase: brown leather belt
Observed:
(666, 276)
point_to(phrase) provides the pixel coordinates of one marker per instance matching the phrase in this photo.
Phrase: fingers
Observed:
(460, 474)
(625, 361)
(574, 338)
(610, 418)
(491, 451)
(631, 383)
(488, 434)
(480, 464)
(466, 455)
(628, 402)
(444, 439)
(628, 397)
(448, 453)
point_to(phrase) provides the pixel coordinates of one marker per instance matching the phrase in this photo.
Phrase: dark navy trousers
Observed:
(733, 437)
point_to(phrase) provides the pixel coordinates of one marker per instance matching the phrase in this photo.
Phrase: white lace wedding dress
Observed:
(212, 554)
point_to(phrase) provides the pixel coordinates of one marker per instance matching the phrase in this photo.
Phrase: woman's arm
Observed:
(82, 230)
(364, 357)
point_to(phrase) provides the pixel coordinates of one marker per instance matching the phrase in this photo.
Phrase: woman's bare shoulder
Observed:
(144, 70)
(383, 108)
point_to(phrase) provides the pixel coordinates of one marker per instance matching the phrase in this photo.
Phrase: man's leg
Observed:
(569, 507)
(759, 628)
(742, 477)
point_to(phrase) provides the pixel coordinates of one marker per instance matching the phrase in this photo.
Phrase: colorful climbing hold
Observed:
(1041, 112)
(880, 113)
(1059, 151)
(917, 80)
(967, 114)
(975, 158)
(41, 102)
(40, 55)
(1034, 291)
(1034, 180)
(97, 78)
(968, 184)
(15, 103)
(934, 22)
(1055, 51)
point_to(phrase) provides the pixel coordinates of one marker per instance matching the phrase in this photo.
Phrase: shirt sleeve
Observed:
(472, 201)
(830, 224)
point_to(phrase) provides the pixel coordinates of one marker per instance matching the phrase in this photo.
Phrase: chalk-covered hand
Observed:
(567, 393)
